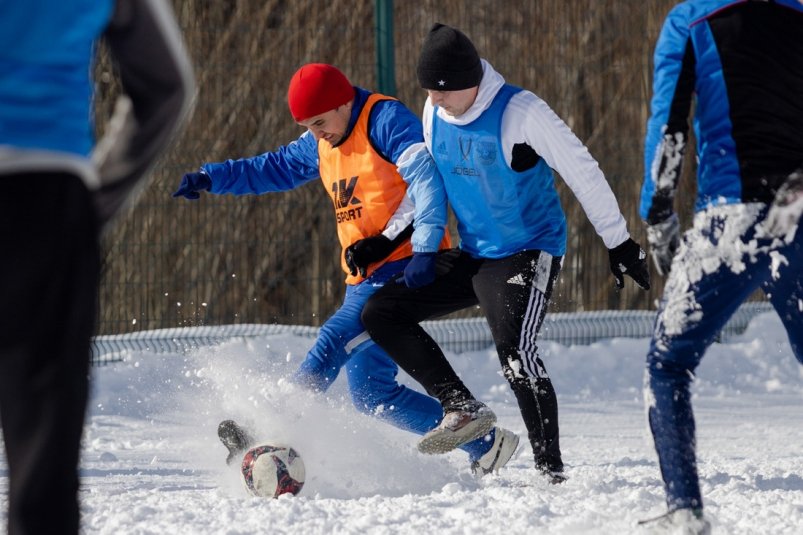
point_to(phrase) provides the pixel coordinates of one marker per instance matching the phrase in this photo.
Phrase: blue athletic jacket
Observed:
(45, 87)
(748, 83)
(46, 92)
(395, 132)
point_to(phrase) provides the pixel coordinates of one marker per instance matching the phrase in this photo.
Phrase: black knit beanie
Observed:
(448, 61)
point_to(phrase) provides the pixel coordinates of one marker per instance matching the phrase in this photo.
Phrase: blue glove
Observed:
(192, 183)
(420, 271)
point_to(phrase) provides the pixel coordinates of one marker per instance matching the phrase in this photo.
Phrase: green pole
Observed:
(385, 64)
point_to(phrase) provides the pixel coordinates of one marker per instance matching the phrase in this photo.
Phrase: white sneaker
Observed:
(504, 446)
(685, 521)
(457, 428)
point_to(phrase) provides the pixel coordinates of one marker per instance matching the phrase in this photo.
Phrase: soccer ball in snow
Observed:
(269, 470)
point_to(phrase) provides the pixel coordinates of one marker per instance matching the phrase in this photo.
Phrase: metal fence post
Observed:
(385, 64)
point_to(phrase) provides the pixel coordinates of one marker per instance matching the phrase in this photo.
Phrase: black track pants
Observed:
(513, 293)
(48, 287)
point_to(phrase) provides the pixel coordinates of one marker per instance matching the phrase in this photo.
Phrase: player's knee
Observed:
(794, 332)
(371, 397)
(330, 347)
(374, 315)
(365, 401)
(514, 369)
(797, 349)
(676, 355)
(669, 368)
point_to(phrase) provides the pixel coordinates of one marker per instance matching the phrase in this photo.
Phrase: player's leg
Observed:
(48, 284)
(370, 371)
(714, 271)
(514, 292)
(375, 391)
(784, 288)
(343, 333)
(392, 317)
(339, 338)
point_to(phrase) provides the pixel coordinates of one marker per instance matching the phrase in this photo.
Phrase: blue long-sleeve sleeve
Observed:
(667, 128)
(398, 135)
(284, 169)
(745, 90)
(395, 132)
(427, 191)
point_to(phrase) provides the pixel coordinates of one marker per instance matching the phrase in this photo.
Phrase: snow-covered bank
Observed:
(152, 462)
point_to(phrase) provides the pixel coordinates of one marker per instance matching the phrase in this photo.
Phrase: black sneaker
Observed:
(235, 438)
(553, 473)
(555, 477)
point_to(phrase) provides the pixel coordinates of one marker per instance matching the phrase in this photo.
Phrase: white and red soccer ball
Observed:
(270, 470)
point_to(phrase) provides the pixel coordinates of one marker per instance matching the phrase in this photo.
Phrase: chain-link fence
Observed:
(274, 258)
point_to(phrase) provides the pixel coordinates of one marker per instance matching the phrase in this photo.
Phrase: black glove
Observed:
(373, 249)
(664, 240)
(367, 251)
(192, 183)
(629, 258)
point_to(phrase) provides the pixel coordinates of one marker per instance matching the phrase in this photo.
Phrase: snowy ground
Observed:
(152, 463)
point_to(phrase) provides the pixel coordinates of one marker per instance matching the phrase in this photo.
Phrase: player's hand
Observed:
(420, 271)
(786, 209)
(191, 184)
(664, 240)
(359, 255)
(629, 258)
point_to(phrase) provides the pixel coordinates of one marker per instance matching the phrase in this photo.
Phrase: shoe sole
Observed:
(444, 441)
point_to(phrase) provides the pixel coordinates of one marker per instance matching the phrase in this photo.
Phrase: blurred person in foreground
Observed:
(743, 62)
(495, 146)
(59, 192)
(365, 148)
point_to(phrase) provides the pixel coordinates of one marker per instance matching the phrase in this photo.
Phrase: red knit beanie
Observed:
(317, 88)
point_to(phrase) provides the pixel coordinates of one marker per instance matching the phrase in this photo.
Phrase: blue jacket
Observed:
(45, 87)
(46, 104)
(748, 82)
(394, 132)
